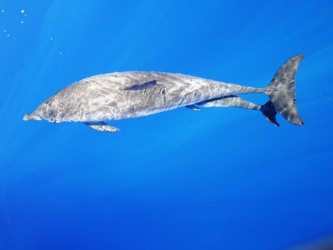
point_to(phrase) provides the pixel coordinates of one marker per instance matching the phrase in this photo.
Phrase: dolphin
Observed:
(101, 98)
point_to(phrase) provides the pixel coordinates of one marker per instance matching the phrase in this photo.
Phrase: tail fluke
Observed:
(269, 111)
(282, 95)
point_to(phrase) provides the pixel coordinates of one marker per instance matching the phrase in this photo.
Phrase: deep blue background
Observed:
(215, 179)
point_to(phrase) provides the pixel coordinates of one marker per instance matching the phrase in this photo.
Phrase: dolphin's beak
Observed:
(31, 116)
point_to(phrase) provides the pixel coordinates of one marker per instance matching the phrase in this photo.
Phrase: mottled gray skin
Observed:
(119, 95)
(123, 95)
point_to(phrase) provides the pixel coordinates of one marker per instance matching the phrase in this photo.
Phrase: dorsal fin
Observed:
(141, 86)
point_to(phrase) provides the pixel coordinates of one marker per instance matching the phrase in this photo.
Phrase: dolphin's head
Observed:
(50, 110)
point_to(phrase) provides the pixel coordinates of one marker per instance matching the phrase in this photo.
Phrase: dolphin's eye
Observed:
(51, 114)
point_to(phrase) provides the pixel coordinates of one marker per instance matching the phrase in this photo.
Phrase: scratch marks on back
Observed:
(162, 93)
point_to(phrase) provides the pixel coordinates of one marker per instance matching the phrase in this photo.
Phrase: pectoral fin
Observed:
(101, 126)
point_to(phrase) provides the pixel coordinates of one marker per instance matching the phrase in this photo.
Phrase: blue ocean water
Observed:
(215, 179)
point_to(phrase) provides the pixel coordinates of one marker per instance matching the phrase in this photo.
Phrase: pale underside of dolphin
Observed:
(101, 98)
